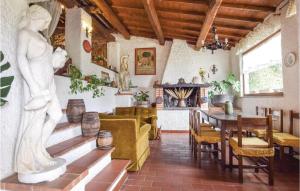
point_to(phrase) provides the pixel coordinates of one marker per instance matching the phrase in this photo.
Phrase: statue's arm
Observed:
(59, 58)
(23, 63)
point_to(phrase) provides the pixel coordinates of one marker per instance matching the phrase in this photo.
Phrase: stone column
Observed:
(77, 20)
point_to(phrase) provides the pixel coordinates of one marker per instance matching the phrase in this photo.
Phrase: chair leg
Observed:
(240, 163)
(200, 155)
(281, 152)
(291, 151)
(271, 170)
(216, 152)
(195, 149)
(190, 137)
(230, 158)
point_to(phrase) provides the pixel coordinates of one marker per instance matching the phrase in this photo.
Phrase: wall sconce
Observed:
(88, 29)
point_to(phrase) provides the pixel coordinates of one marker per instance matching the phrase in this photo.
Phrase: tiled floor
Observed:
(172, 167)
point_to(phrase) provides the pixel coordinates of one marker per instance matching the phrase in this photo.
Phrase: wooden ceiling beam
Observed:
(240, 19)
(152, 16)
(245, 7)
(111, 17)
(99, 28)
(209, 19)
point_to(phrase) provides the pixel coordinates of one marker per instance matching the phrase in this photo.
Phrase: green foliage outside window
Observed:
(268, 78)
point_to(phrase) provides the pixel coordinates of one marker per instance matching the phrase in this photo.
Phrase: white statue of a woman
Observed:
(42, 111)
(124, 75)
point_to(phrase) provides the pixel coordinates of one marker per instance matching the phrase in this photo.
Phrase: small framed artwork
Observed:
(145, 61)
(105, 76)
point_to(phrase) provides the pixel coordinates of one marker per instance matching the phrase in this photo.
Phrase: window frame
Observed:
(243, 76)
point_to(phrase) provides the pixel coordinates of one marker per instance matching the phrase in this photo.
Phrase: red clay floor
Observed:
(171, 167)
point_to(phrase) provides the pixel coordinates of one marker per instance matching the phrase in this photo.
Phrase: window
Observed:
(262, 68)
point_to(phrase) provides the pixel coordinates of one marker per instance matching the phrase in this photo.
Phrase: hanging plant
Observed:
(5, 82)
(94, 84)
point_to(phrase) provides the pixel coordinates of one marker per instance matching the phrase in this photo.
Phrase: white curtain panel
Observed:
(55, 9)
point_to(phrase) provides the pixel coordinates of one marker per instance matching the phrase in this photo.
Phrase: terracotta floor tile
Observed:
(172, 167)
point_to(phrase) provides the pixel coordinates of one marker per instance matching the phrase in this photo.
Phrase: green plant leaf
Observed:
(2, 102)
(4, 66)
(4, 91)
(1, 56)
(6, 81)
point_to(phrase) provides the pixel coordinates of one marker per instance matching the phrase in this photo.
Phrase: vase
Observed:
(228, 108)
(75, 109)
(104, 140)
(181, 103)
(90, 124)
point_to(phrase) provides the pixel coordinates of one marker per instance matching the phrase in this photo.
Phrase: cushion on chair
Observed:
(208, 137)
(252, 147)
(262, 132)
(286, 139)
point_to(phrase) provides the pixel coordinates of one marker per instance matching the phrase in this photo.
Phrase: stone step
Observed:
(73, 148)
(78, 174)
(110, 178)
(63, 132)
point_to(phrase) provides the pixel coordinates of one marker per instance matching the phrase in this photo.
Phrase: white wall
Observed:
(185, 62)
(190, 61)
(11, 11)
(290, 100)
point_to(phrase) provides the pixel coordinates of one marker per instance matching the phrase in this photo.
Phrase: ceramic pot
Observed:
(90, 124)
(104, 140)
(181, 103)
(75, 109)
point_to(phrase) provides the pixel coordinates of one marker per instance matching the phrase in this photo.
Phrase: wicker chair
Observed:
(258, 150)
(204, 135)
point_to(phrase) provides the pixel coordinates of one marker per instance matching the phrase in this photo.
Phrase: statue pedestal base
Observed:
(49, 174)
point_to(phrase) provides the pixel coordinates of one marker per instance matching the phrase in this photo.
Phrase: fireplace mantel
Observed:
(185, 85)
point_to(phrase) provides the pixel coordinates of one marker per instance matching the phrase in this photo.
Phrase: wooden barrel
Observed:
(104, 140)
(75, 109)
(90, 124)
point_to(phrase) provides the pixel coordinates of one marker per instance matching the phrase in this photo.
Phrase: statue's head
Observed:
(36, 16)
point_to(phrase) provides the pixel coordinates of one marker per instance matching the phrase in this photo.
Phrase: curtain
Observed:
(55, 9)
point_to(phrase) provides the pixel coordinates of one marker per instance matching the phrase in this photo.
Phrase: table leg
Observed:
(223, 145)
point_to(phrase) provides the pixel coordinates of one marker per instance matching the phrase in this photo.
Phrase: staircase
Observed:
(88, 169)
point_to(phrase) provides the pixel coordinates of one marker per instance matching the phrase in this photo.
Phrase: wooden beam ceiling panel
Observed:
(111, 17)
(248, 7)
(152, 16)
(209, 19)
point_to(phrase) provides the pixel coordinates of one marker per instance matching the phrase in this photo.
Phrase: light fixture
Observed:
(88, 29)
(216, 43)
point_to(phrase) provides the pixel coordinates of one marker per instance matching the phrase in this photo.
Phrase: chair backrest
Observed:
(293, 116)
(277, 116)
(255, 122)
(261, 111)
(197, 126)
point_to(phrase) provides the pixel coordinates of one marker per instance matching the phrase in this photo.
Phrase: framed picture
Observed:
(145, 61)
(105, 76)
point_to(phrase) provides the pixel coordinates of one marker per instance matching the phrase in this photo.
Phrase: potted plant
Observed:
(220, 90)
(142, 98)
(93, 84)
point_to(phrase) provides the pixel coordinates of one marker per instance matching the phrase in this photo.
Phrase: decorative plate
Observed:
(87, 46)
(290, 59)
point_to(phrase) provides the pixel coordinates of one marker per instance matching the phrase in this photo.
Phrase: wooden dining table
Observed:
(224, 122)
